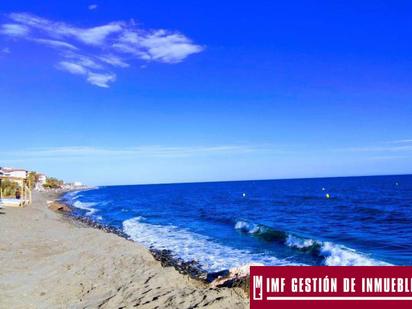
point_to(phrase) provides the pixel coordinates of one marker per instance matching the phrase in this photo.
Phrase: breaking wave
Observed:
(332, 254)
(85, 206)
(211, 255)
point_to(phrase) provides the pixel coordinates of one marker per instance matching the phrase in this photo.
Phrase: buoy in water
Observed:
(396, 183)
(323, 189)
(327, 195)
(244, 194)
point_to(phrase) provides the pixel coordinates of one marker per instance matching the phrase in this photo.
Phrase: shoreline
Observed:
(53, 261)
(166, 257)
(229, 278)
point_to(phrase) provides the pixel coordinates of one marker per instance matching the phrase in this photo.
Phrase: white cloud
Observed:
(5, 50)
(384, 158)
(170, 48)
(139, 151)
(71, 67)
(397, 146)
(83, 60)
(101, 79)
(401, 141)
(92, 7)
(55, 43)
(130, 37)
(159, 45)
(96, 35)
(114, 61)
(133, 50)
(91, 36)
(95, 51)
(98, 79)
(14, 30)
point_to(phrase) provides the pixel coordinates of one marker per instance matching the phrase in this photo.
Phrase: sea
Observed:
(221, 225)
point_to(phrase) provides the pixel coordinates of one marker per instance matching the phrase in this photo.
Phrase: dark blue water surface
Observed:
(365, 221)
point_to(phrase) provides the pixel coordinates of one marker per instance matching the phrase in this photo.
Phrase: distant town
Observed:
(17, 184)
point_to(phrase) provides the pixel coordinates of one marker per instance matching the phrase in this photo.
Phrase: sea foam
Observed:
(212, 256)
(338, 255)
(85, 206)
(332, 254)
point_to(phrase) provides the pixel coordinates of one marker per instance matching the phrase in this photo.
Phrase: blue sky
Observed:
(172, 91)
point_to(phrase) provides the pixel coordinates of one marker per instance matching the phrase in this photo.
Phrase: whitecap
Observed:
(212, 256)
(85, 206)
(299, 243)
(338, 255)
(332, 254)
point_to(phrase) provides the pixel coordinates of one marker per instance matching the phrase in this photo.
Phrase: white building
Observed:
(23, 194)
(13, 172)
(41, 180)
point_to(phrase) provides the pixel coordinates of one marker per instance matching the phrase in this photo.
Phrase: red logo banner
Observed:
(330, 287)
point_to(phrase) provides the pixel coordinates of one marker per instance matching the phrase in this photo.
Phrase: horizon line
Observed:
(246, 180)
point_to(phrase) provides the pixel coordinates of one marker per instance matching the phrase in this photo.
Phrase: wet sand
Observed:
(49, 261)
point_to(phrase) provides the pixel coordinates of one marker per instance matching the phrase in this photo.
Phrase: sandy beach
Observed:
(49, 261)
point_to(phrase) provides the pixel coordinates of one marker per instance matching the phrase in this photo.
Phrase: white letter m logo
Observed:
(257, 287)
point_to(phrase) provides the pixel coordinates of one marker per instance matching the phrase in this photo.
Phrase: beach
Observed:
(50, 261)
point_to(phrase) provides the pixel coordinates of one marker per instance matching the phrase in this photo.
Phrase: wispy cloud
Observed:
(92, 7)
(114, 61)
(139, 151)
(101, 79)
(78, 68)
(5, 50)
(378, 149)
(85, 61)
(404, 145)
(72, 68)
(91, 36)
(55, 43)
(14, 30)
(159, 45)
(401, 141)
(99, 49)
(388, 157)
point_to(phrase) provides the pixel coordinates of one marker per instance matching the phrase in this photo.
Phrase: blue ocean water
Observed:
(365, 220)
